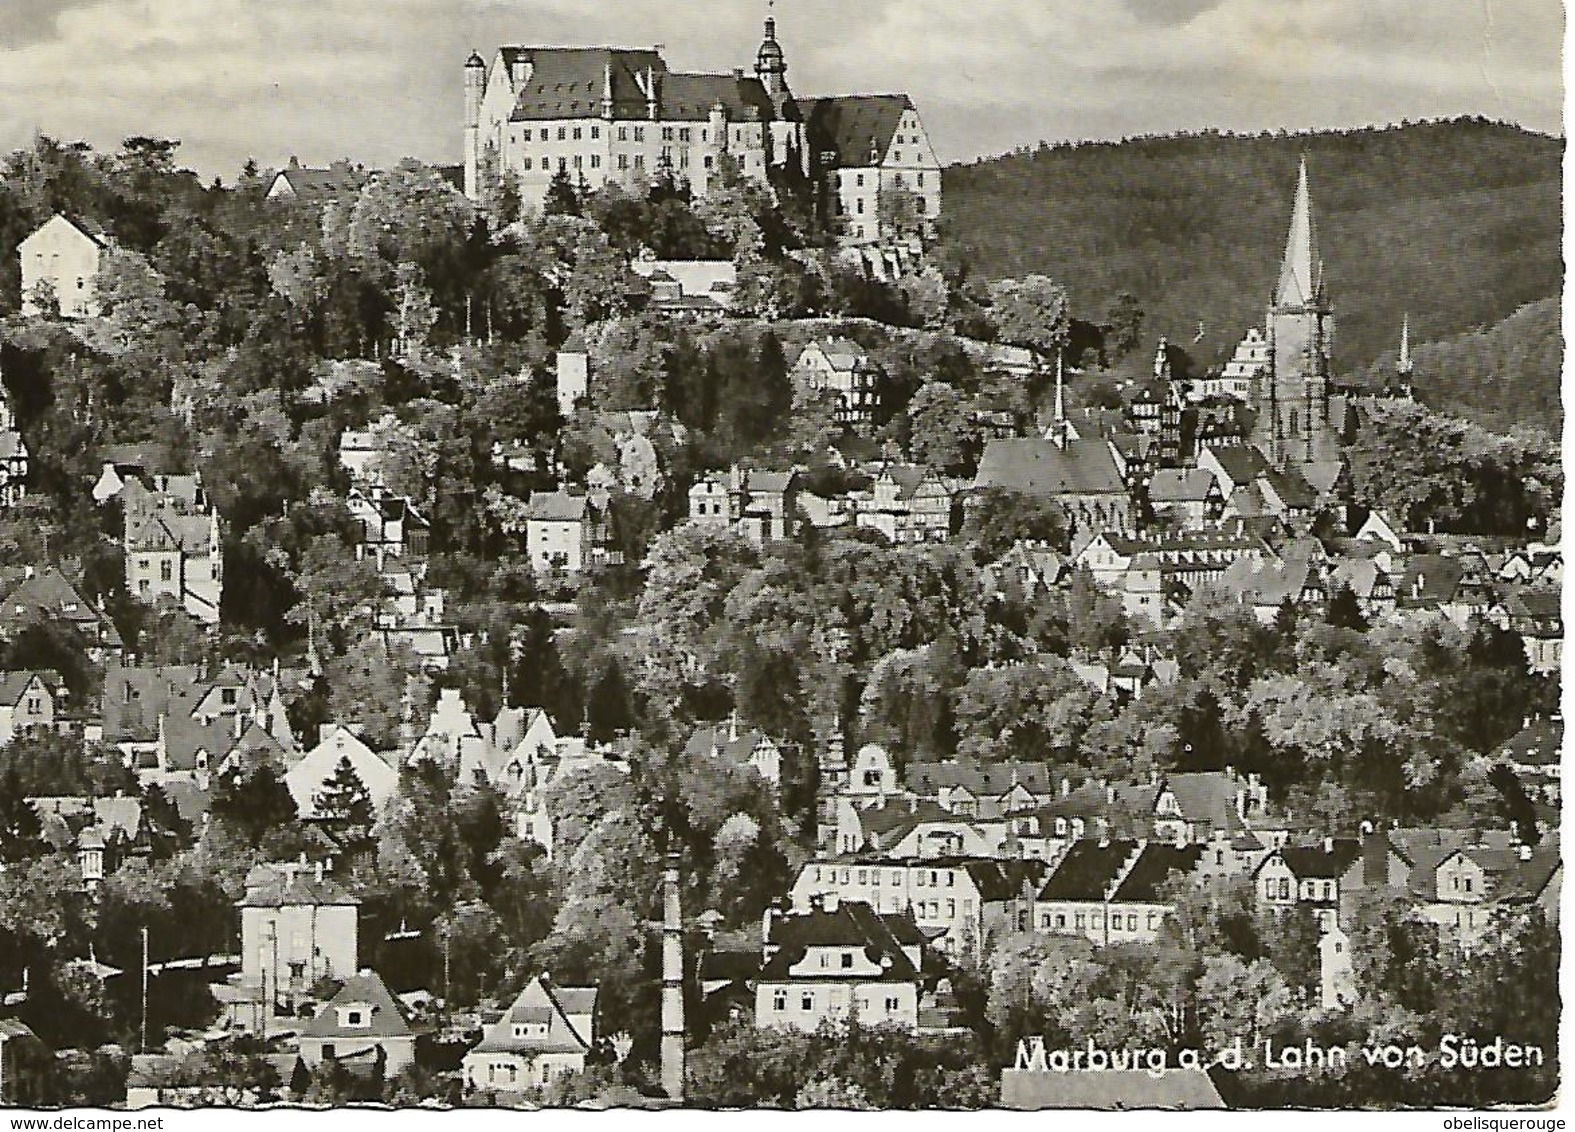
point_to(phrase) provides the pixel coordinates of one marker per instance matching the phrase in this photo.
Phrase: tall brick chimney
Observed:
(672, 983)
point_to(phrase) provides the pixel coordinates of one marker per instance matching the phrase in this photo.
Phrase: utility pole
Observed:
(142, 1044)
(672, 983)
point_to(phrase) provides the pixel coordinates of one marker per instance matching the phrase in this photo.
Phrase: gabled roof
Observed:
(339, 179)
(13, 685)
(278, 886)
(557, 507)
(47, 594)
(1153, 869)
(853, 925)
(1241, 462)
(1539, 743)
(366, 989)
(982, 780)
(853, 125)
(1180, 485)
(1036, 466)
(542, 1002)
(569, 82)
(1314, 862)
(1088, 870)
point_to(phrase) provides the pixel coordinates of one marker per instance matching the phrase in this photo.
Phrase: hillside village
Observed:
(604, 622)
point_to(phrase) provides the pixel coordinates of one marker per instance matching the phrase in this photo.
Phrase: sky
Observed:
(378, 80)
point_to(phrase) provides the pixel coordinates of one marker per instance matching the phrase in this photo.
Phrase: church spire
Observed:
(1301, 274)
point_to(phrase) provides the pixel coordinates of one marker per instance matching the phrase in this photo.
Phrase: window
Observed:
(921, 180)
(1468, 884)
(563, 164)
(863, 876)
(951, 909)
(1081, 921)
(166, 571)
(896, 878)
(667, 133)
(807, 1003)
(1044, 920)
(579, 162)
(875, 876)
(859, 206)
(527, 164)
(685, 134)
(596, 133)
(563, 133)
(847, 960)
(639, 133)
(919, 206)
(596, 163)
(623, 161)
(639, 161)
(892, 1004)
(859, 180)
(579, 134)
(1131, 921)
(1060, 919)
(779, 1000)
(544, 133)
(1285, 888)
(919, 879)
(968, 908)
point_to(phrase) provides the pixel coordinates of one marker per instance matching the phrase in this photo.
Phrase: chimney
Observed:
(1328, 845)
(830, 902)
(1066, 786)
(1524, 852)
(1230, 772)
(319, 872)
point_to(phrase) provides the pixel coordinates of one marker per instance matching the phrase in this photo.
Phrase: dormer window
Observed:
(356, 1017)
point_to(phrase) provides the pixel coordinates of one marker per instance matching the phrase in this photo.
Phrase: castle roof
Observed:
(852, 125)
(570, 82)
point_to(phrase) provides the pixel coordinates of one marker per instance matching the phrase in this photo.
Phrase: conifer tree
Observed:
(346, 805)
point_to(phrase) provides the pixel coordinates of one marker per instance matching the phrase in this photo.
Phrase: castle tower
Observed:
(771, 64)
(475, 88)
(1294, 421)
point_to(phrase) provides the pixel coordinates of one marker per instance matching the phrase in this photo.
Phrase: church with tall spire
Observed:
(1298, 417)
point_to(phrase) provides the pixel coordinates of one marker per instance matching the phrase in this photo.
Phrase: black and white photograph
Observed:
(780, 555)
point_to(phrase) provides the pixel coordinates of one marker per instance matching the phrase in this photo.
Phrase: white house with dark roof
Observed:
(339, 181)
(61, 259)
(842, 366)
(545, 1033)
(873, 163)
(297, 926)
(361, 1026)
(836, 958)
(307, 778)
(566, 530)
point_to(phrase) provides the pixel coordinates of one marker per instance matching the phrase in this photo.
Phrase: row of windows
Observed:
(779, 1002)
(577, 133)
(858, 180)
(1280, 889)
(872, 876)
(1057, 921)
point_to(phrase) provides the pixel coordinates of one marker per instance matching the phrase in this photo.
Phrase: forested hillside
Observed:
(1500, 377)
(1457, 222)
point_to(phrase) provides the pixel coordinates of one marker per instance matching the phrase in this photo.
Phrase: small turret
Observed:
(771, 63)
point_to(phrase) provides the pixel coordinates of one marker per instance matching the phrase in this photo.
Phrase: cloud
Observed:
(32, 21)
(1169, 13)
(380, 79)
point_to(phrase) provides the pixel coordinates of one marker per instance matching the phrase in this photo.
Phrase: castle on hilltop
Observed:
(605, 115)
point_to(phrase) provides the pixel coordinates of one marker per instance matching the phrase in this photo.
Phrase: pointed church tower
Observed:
(1294, 426)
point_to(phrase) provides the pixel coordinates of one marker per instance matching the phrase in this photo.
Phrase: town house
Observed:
(545, 1033)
